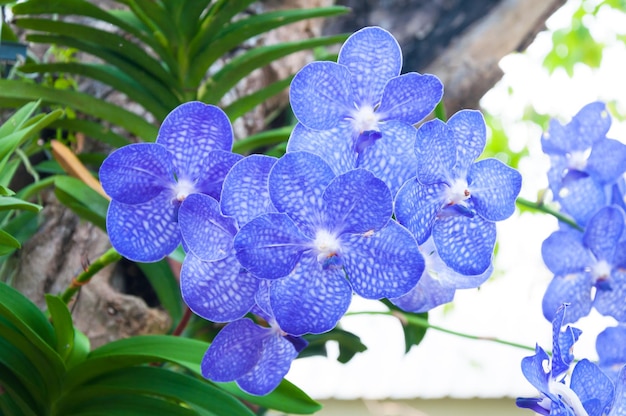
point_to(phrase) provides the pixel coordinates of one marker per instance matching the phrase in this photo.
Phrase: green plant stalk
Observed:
(416, 320)
(540, 206)
(109, 257)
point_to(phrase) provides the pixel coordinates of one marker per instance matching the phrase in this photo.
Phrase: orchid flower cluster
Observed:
(363, 202)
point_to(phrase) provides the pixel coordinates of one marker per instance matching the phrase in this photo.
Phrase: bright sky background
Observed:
(508, 306)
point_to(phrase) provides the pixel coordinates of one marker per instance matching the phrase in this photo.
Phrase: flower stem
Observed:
(109, 257)
(540, 206)
(416, 320)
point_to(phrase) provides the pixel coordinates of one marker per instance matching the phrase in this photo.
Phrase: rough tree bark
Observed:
(461, 42)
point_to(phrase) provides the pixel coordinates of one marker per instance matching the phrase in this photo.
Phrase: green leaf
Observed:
(80, 198)
(237, 32)
(17, 120)
(226, 78)
(136, 350)
(85, 102)
(159, 382)
(10, 202)
(166, 287)
(349, 344)
(63, 325)
(247, 103)
(262, 140)
(21, 227)
(9, 242)
(285, 398)
(131, 405)
(92, 129)
(16, 400)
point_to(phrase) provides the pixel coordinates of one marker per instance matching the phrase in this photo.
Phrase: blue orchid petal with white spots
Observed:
(594, 389)
(607, 161)
(213, 171)
(136, 173)
(581, 198)
(207, 233)
(220, 291)
(235, 351)
(618, 408)
(436, 152)
(603, 232)
(144, 232)
(533, 370)
(470, 135)
(611, 352)
(562, 341)
(410, 97)
(494, 187)
(385, 263)
(611, 302)
(296, 183)
(321, 96)
(465, 243)
(373, 56)
(563, 252)
(357, 202)
(426, 295)
(311, 299)
(416, 207)
(245, 193)
(270, 245)
(572, 288)
(191, 131)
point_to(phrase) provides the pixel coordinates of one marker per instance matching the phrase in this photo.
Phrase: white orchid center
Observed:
(568, 396)
(183, 188)
(326, 245)
(458, 192)
(578, 160)
(365, 119)
(601, 270)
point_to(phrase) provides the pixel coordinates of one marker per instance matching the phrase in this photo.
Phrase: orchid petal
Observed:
(416, 207)
(494, 187)
(426, 295)
(574, 289)
(563, 252)
(214, 170)
(470, 136)
(436, 152)
(607, 161)
(604, 231)
(591, 384)
(410, 97)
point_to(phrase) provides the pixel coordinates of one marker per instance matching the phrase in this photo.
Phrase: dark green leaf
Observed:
(63, 325)
(85, 102)
(16, 401)
(262, 140)
(166, 287)
(349, 344)
(10, 202)
(9, 242)
(413, 332)
(94, 130)
(4, 191)
(226, 78)
(248, 102)
(130, 405)
(17, 120)
(80, 198)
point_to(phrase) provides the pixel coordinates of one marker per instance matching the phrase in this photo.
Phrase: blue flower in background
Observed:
(590, 391)
(611, 348)
(455, 199)
(438, 283)
(360, 112)
(584, 162)
(147, 182)
(327, 228)
(580, 262)
(213, 283)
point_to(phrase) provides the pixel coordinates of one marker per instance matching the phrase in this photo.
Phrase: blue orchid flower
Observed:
(147, 182)
(584, 162)
(213, 283)
(581, 262)
(327, 228)
(455, 199)
(359, 112)
(589, 393)
(611, 348)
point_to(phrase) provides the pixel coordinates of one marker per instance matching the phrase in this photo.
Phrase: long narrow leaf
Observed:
(84, 102)
(16, 400)
(239, 31)
(226, 78)
(84, 201)
(8, 243)
(247, 103)
(92, 129)
(262, 140)
(17, 120)
(63, 326)
(9, 202)
(166, 287)
(130, 405)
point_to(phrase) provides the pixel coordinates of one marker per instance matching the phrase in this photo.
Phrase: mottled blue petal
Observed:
(335, 146)
(607, 161)
(436, 152)
(297, 182)
(574, 289)
(465, 243)
(236, 350)
(385, 264)
(494, 187)
(206, 232)
(619, 402)
(426, 295)
(611, 302)
(191, 131)
(320, 95)
(563, 252)
(220, 291)
(611, 348)
(278, 353)
(533, 370)
(416, 207)
(562, 342)
(356, 202)
(245, 193)
(410, 97)
(589, 125)
(214, 170)
(137, 173)
(589, 383)
(604, 231)
(373, 57)
(270, 245)
(311, 299)
(144, 232)
(470, 136)
(392, 157)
